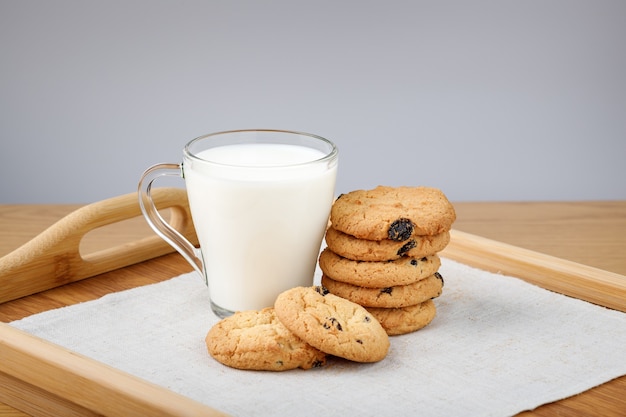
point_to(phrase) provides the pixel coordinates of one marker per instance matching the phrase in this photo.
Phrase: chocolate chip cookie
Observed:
(332, 324)
(356, 249)
(394, 213)
(402, 271)
(387, 297)
(257, 340)
(397, 321)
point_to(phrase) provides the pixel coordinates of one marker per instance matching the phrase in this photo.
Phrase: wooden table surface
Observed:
(591, 233)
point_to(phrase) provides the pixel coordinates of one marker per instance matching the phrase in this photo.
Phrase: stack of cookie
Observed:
(382, 253)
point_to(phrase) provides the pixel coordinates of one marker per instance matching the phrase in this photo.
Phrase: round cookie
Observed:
(356, 249)
(401, 271)
(394, 213)
(397, 321)
(257, 340)
(332, 324)
(388, 297)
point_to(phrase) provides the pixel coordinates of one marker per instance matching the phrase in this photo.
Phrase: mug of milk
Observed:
(260, 202)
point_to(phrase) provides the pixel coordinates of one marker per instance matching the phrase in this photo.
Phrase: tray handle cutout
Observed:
(53, 258)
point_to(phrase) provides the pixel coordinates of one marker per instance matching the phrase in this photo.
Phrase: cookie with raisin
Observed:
(356, 249)
(332, 324)
(397, 321)
(394, 213)
(257, 340)
(402, 271)
(388, 297)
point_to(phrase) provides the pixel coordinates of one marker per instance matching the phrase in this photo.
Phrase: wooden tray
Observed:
(44, 379)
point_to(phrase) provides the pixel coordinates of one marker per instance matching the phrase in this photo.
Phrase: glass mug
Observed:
(260, 202)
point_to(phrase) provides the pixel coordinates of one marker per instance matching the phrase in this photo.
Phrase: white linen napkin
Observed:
(498, 346)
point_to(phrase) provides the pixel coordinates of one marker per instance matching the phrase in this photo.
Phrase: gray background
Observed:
(488, 100)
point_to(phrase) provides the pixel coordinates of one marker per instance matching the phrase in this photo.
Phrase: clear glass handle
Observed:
(156, 221)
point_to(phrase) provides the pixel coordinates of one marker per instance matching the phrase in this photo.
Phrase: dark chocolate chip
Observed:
(439, 277)
(318, 364)
(387, 290)
(424, 259)
(400, 230)
(339, 326)
(333, 322)
(359, 341)
(321, 290)
(414, 262)
(406, 247)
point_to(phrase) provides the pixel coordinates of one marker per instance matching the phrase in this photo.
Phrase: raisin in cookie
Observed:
(332, 324)
(387, 297)
(257, 340)
(403, 271)
(394, 213)
(356, 249)
(397, 321)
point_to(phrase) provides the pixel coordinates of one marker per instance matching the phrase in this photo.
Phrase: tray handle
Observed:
(53, 257)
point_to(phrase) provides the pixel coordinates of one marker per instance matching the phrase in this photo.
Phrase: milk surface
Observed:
(260, 226)
(260, 155)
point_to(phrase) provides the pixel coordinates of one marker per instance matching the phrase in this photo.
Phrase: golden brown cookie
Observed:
(402, 271)
(388, 297)
(257, 340)
(332, 324)
(397, 321)
(394, 213)
(356, 249)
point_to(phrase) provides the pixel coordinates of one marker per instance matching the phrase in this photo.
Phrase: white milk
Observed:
(260, 227)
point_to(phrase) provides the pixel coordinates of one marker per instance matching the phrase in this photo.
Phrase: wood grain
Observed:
(590, 233)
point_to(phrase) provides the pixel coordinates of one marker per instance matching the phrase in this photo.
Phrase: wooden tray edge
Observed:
(82, 386)
(576, 280)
